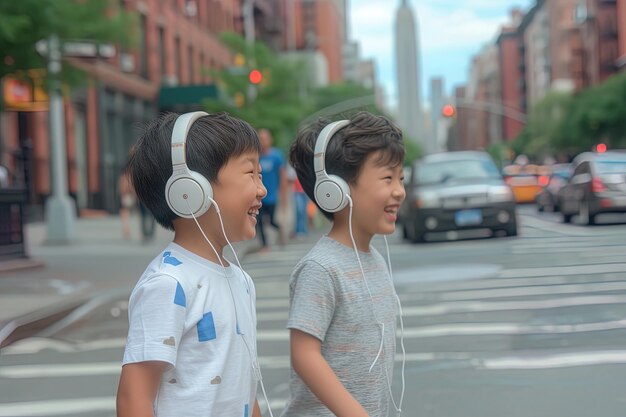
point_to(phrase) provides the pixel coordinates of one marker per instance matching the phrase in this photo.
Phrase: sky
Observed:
(450, 32)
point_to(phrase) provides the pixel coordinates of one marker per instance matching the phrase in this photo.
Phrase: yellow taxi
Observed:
(526, 181)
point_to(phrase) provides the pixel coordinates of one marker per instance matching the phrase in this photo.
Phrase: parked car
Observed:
(453, 194)
(525, 181)
(548, 198)
(597, 185)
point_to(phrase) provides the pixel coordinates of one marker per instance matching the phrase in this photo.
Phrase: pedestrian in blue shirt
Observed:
(275, 181)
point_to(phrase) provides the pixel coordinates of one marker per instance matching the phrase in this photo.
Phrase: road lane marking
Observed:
(63, 407)
(114, 368)
(583, 288)
(544, 271)
(554, 361)
(452, 307)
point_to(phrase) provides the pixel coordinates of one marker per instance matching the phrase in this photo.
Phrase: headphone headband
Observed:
(331, 192)
(179, 136)
(319, 156)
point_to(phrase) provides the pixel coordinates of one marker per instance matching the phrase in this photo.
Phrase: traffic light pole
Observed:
(60, 211)
(248, 27)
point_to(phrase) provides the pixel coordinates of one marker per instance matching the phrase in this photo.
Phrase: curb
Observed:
(30, 324)
(20, 264)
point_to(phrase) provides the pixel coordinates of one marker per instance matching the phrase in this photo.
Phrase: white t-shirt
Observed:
(182, 312)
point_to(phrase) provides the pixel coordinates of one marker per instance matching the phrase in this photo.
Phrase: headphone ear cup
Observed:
(188, 190)
(331, 193)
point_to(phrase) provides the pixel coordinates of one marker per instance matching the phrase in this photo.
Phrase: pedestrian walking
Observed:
(128, 200)
(343, 305)
(147, 223)
(275, 181)
(191, 346)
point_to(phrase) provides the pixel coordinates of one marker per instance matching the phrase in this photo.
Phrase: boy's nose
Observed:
(399, 193)
(261, 191)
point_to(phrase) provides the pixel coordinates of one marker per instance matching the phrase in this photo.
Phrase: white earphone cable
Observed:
(398, 407)
(251, 352)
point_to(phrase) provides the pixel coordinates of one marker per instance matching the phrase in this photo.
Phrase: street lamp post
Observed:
(60, 212)
(248, 28)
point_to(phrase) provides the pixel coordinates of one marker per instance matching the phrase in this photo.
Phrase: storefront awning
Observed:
(185, 98)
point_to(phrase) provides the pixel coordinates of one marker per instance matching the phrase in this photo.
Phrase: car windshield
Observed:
(611, 167)
(440, 172)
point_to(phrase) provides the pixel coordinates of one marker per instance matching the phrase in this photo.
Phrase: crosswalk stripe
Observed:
(439, 309)
(584, 288)
(555, 361)
(64, 407)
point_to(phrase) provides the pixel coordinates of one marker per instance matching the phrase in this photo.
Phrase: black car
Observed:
(548, 198)
(597, 185)
(454, 195)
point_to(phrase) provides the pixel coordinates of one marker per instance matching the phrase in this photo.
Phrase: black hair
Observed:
(211, 142)
(347, 150)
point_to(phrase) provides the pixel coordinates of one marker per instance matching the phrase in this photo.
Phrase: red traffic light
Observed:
(255, 77)
(601, 148)
(448, 110)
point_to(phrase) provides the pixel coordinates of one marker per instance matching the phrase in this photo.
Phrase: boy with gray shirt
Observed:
(342, 300)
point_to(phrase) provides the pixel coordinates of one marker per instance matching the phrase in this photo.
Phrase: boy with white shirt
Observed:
(191, 348)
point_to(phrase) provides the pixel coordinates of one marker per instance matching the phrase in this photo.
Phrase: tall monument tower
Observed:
(408, 75)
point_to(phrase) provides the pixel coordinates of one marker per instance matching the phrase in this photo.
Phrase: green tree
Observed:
(280, 99)
(24, 22)
(546, 130)
(599, 115)
(285, 99)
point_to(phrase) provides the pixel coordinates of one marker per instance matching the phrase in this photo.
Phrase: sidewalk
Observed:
(99, 261)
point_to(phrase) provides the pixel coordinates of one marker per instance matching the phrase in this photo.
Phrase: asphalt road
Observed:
(529, 326)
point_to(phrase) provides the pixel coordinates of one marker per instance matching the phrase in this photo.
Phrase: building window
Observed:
(143, 47)
(178, 59)
(190, 63)
(202, 68)
(162, 68)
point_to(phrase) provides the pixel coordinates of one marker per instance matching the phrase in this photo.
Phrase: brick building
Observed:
(316, 26)
(511, 65)
(599, 26)
(177, 41)
(621, 34)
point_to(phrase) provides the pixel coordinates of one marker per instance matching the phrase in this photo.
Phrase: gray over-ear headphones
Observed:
(188, 193)
(331, 191)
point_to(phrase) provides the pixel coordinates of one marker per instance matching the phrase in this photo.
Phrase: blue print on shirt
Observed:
(245, 411)
(179, 298)
(206, 328)
(168, 259)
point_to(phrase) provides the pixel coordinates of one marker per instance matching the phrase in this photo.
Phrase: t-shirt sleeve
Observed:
(156, 314)
(312, 300)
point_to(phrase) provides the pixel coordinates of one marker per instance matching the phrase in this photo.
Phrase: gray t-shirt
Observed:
(329, 300)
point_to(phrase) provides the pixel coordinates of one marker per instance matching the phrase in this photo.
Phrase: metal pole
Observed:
(248, 28)
(60, 211)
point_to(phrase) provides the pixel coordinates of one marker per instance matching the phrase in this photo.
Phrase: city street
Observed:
(530, 326)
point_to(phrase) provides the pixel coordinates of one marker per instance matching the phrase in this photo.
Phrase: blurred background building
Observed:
(408, 76)
(167, 70)
(556, 45)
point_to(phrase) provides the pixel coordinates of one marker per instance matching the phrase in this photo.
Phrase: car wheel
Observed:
(585, 214)
(567, 218)
(412, 234)
(511, 229)
(540, 208)
(405, 234)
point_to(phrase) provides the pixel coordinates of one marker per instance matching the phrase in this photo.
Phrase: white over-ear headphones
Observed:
(331, 191)
(186, 189)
